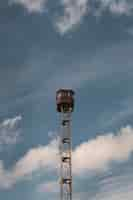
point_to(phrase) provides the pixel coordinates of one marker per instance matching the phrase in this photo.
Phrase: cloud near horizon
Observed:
(92, 155)
(10, 132)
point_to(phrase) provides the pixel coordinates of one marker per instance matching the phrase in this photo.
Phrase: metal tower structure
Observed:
(65, 106)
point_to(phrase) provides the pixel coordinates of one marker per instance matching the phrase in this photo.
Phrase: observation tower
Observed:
(65, 106)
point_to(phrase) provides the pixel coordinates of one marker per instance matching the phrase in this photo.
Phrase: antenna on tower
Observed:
(65, 106)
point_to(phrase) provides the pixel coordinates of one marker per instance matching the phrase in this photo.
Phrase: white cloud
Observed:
(9, 132)
(94, 154)
(31, 5)
(43, 157)
(74, 11)
(98, 153)
(116, 6)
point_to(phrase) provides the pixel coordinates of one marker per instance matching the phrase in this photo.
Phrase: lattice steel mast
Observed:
(65, 106)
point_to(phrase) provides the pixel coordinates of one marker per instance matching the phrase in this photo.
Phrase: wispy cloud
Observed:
(102, 150)
(116, 187)
(9, 132)
(74, 11)
(32, 6)
(119, 7)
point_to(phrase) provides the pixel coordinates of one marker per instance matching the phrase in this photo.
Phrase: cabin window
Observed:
(59, 95)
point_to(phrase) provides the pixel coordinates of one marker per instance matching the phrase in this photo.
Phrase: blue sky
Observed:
(85, 45)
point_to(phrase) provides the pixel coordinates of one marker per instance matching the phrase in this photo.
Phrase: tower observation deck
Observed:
(65, 106)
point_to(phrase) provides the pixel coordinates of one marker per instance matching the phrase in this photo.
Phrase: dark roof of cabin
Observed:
(65, 90)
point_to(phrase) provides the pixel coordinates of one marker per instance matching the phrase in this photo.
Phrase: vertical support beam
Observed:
(65, 157)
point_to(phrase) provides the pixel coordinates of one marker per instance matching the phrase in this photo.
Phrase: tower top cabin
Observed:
(65, 100)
